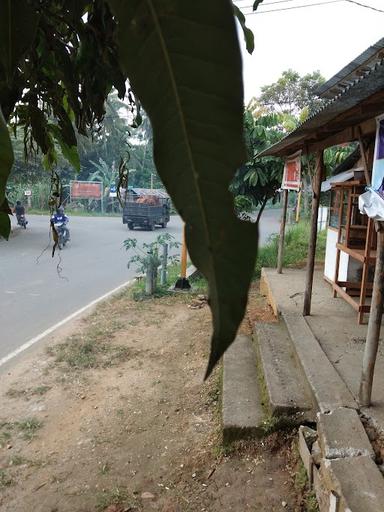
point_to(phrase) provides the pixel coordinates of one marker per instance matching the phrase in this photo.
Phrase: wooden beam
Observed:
(280, 254)
(313, 235)
(364, 157)
(374, 323)
(349, 134)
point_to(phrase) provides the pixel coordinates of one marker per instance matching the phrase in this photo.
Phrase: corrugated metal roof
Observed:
(340, 178)
(362, 89)
(352, 71)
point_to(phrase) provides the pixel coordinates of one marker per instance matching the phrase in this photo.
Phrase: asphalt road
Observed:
(34, 295)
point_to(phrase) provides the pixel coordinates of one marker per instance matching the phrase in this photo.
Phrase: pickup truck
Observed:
(146, 215)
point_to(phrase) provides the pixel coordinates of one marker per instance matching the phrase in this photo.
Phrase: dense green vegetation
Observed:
(295, 248)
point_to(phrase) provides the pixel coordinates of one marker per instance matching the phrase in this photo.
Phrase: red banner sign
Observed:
(292, 172)
(86, 190)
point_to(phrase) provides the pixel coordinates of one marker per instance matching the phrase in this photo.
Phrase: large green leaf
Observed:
(184, 64)
(18, 23)
(6, 162)
(249, 38)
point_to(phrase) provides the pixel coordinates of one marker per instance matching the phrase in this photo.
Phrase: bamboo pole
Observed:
(280, 254)
(183, 283)
(374, 323)
(313, 234)
(183, 257)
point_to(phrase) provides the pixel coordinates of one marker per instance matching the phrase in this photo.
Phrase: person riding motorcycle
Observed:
(60, 221)
(19, 211)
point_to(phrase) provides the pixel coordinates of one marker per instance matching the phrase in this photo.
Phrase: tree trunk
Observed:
(261, 209)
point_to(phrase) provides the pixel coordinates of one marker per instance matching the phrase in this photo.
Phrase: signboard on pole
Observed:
(112, 191)
(292, 172)
(86, 190)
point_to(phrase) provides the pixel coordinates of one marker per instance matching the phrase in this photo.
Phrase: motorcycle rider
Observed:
(19, 211)
(60, 218)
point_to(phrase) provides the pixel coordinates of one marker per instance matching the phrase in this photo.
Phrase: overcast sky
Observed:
(324, 37)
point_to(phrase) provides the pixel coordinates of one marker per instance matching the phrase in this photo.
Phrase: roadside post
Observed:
(149, 277)
(298, 206)
(164, 262)
(182, 283)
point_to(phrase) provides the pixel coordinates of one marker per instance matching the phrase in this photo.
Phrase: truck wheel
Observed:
(130, 226)
(163, 224)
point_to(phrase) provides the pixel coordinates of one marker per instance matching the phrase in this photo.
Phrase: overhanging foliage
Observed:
(184, 65)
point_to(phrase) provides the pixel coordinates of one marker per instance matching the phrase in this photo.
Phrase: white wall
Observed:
(330, 258)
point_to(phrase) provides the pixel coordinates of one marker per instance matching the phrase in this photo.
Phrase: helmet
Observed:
(60, 210)
(18, 203)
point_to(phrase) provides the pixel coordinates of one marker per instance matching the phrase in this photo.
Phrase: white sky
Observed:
(325, 37)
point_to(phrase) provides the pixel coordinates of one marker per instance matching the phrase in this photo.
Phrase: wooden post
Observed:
(374, 323)
(364, 157)
(313, 234)
(280, 254)
(298, 206)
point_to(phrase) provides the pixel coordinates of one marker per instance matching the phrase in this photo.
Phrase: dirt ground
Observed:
(115, 417)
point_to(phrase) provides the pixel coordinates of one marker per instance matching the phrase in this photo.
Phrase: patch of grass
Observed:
(16, 393)
(5, 432)
(295, 248)
(17, 460)
(26, 393)
(40, 390)
(137, 291)
(115, 496)
(302, 486)
(104, 468)
(5, 479)
(301, 478)
(28, 427)
(311, 503)
(87, 351)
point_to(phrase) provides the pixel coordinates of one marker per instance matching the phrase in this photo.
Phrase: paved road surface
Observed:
(32, 295)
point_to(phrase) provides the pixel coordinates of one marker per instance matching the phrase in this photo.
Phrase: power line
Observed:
(304, 6)
(263, 4)
(364, 5)
(295, 7)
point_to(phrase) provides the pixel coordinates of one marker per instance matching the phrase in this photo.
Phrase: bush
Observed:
(295, 248)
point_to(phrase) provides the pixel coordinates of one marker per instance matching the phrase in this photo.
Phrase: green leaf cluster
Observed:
(258, 179)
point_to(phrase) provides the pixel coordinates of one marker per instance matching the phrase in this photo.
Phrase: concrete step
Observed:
(242, 411)
(357, 484)
(286, 385)
(341, 434)
(328, 389)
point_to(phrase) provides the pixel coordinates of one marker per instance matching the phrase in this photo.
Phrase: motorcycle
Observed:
(22, 221)
(62, 233)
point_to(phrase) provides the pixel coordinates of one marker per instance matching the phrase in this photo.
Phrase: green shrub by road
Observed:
(295, 248)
